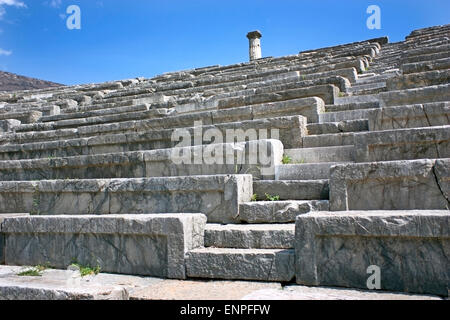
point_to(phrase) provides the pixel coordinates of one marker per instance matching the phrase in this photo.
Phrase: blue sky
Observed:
(122, 39)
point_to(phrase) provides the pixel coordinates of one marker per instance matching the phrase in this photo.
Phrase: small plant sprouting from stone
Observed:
(86, 270)
(341, 94)
(286, 159)
(33, 272)
(254, 197)
(272, 198)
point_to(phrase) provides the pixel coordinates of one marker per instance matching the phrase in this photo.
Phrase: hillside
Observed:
(13, 82)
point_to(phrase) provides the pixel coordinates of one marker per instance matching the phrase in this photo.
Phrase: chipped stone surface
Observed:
(152, 245)
(391, 185)
(2, 235)
(414, 116)
(410, 248)
(435, 93)
(23, 117)
(415, 80)
(278, 211)
(263, 236)
(292, 189)
(403, 144)
(9, 125)
(241, 264)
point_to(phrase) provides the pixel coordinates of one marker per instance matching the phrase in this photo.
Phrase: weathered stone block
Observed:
(326, 92)
(414, 116)
(426, 66)
(309, 108)
(437, 93)
(218, 197)
(278, 211)
(241, 264)
(2, 235)
(392, 185)
(23, 117)
(411, 248)
(416, 80)
(403, 144)
(243, 236)
(151, 245)
(9, 125)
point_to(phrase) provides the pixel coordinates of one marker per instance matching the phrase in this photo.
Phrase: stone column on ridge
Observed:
(255, 45)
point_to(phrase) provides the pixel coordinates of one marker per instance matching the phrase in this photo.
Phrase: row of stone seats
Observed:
(325, 178)
(110, 86)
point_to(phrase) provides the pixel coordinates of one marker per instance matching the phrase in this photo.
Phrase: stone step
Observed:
(292, 189)
(366, 75)
(96, 113)
(327, 93)
(364, 92)
(150, 245)
(308, 171)
(329, 140)
(358, 87)
(428, 57)
(23, 117)
(241, 264)
(437, 93)
(357, 114)
(427, 51)
(249, 236)
(410, 116)
(321, 154)
(402, 144)
(439, 64)
(218, 196)
(338, 127)
(375, 238)
(96, 120)
(392, 185)
(352, 106)
(263, 212)
(309, 107)
(232, 158)
(244, 84)
(373, 78)
(417, 80)
(97, 106)
(288, 76)
(357, 99)
(289, 130)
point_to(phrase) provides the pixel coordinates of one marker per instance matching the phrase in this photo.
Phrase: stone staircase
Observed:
(354, 171)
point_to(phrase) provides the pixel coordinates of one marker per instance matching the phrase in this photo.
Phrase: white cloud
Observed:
(14, 3)
(53, 3)
(5, 52)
